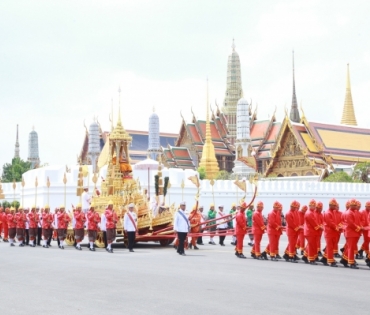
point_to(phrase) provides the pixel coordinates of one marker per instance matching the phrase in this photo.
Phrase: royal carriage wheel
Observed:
(100, 240)
(70, 239)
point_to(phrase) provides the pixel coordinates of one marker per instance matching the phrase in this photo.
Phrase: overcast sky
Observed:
(62, 62)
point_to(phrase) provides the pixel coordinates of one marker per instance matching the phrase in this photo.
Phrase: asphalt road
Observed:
(156, 280)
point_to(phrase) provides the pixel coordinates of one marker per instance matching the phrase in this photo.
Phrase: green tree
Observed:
(202, 172)
(5, 204)
(339, 177)
(15, 170)
(15, 204)
(223, 175)
(361, 172)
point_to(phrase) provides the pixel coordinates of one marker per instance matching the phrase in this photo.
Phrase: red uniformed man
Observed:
(240, 230)
(338, 221)
(292, 231)
(194, 219)
(93, 220)
(301, 239)
(5, 225)
(352, 232)
(33, 218)
(320, 221)
(331, 229)
(12, 225)
(47, 221)
(80, 219)
(258, 228)
(111, 226)
(1, 220)
(344, 223)
(310, 232)
(21, 219)
(274, 229)
(63, 221)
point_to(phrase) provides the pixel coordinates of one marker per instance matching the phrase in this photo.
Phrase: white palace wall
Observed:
(224, 193)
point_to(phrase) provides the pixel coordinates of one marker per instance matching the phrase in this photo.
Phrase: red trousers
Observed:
(301, 241)
(239, 243)
(311, 248)
(273, 244)
(6, 231)
(350, 249)
(257, 244)
(319, 242)
(365, 244)
(329, 252)
(336, 243)
(292, 241)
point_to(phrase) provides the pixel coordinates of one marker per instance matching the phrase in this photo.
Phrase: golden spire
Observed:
(119, 133)
(348, 116)
(208, 160)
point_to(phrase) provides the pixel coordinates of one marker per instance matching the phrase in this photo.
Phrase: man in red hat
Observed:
(21, 219)
(331, 229)
(301, 239)
(274, 230)
(240, 230)
(292, 230)
(352, 233)
(338, 221)
(320, 221)
(310, 232)
(344, 223)
(194, 219)
(258, 228)
(5, 225)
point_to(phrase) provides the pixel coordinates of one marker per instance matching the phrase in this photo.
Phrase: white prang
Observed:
(94, 144)
(243, 138)
(154, 145)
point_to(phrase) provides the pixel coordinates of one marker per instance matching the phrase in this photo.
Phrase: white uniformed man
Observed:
(86, 200)
(221, 224)
(130, 225)
(103, 227)
(182, 227)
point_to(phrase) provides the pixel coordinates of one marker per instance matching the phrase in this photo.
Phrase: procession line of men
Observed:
(18, 225)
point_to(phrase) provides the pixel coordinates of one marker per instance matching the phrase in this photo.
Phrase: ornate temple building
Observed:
(33, 149)
(16, 150)
(234, 92)
(138, 148)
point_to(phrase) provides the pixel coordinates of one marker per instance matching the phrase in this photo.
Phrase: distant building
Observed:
(16, 151)
(33, 149)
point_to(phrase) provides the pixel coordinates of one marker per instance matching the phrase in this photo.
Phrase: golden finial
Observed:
(233, 45)
(47, 182)
(65, 179)
(348, 115)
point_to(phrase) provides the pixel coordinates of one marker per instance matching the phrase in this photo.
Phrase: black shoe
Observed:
(305, 259)
(313, 263)
(78, 247)
(91, 249)
(222, 244)
(131, 250)
(342, 250)
(232, 243)
(353, 266)
(302, 252)
(264, 256)
(292, 260)
(190, 246)
(242, 256)
(11, 244)
(195, 247)
(45, 246)
(286, 257)
(319, 254)
(344, 262)
(324, 261)
(253, 255)
(183, 254)
(296, 257)
(110, 250)
(334, 264)
(21, 245)
(61, 247)
(337, 255)
(278, 256)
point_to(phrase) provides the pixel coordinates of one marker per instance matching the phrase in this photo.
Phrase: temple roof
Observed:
(178, 157)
